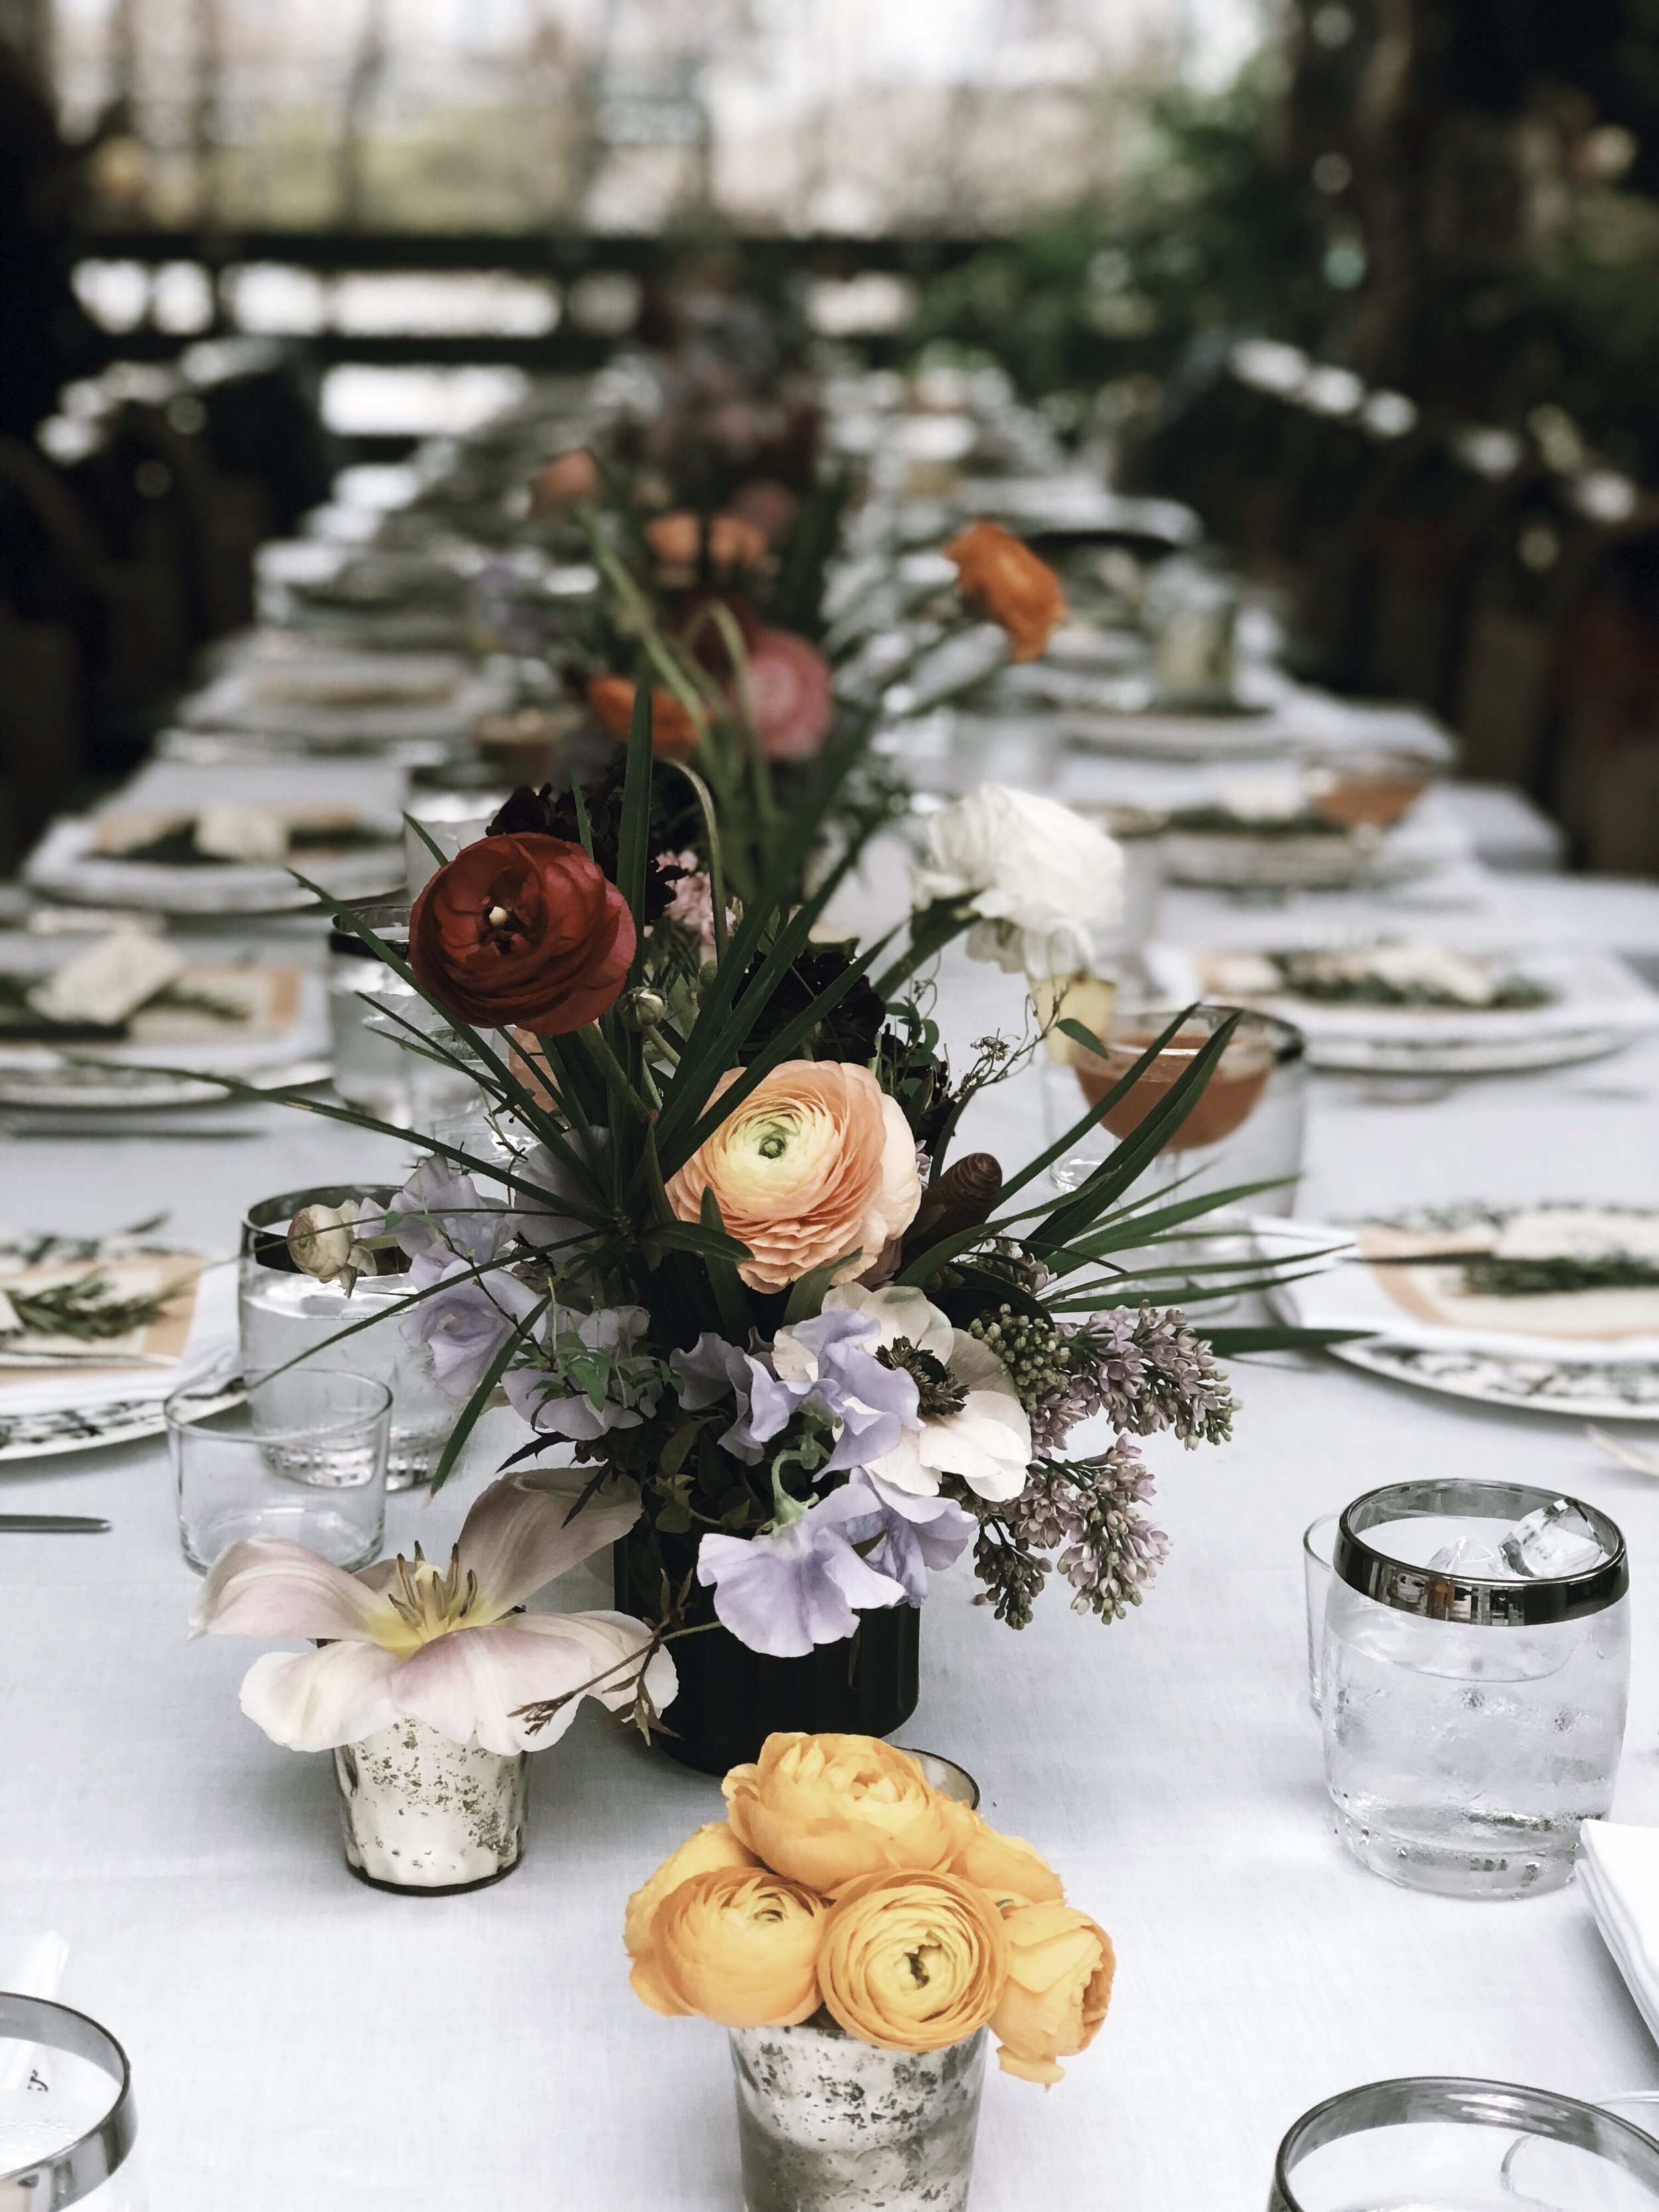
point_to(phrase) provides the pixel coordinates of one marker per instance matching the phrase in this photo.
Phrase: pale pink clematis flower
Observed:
(440, 1645)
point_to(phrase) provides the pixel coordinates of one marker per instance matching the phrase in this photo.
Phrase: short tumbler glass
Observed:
(300, 1454)
(1449, 2146)
(69, 2129)
(1472, 1721)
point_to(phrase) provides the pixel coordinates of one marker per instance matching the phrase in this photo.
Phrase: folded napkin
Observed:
(205, 1347)
(1619, 1873)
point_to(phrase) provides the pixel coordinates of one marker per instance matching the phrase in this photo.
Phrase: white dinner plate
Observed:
(67, 865)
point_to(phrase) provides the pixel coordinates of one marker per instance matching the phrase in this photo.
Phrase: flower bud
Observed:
(641, 1009)
(320, 1242)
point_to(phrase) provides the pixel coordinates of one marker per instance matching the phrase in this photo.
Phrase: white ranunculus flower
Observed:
(988, 1442)
(1039, 877)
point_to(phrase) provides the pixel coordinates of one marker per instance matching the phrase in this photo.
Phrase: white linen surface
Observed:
(299, 2040)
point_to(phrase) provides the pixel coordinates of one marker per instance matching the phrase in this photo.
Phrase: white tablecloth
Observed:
(301, 2040)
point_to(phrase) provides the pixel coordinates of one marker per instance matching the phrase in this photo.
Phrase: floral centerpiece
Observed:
(714, 1242)
(857, 1932)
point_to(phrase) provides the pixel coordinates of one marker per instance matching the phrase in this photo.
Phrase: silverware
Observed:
(1627, 1455)
(52, 1524)
(60, 1132)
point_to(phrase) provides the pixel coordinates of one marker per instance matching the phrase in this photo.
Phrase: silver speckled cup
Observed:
(828, 2123)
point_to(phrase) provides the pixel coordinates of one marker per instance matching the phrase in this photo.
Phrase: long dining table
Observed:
(299, 2040)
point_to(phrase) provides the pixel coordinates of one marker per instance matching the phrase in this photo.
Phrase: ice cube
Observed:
(1468, 1557)
(1555, 1540)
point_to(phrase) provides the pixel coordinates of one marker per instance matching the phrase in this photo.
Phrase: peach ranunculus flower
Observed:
(676, 540)
(567, 480)
(913, 1961)
(675, 732)
(1060, 1983)
(1001, 578)
(713, 1846)
(1002, 1866)
(817, 1164)
(826, 1809)
(738, 1946)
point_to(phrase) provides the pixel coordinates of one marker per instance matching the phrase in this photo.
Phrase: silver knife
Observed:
(51, 1524)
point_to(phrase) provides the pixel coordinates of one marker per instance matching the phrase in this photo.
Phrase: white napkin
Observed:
(1619, 1873)
(210, 1352)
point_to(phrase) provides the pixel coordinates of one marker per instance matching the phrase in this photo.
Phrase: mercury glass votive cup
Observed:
(1472, 1717)
(300, 1454)
(1432, 2145)
(1318, 1543)
(69, 2126)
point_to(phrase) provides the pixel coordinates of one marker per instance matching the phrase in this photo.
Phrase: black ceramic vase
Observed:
(732, 1698)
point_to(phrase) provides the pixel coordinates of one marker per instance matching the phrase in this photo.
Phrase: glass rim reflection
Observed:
(98, 2152)
(1475, 1600)
(211, 1398)
(1410, 2099)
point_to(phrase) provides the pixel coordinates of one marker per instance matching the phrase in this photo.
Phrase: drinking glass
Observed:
(1368, 789)
(300, 1454)
(1474, 1712)
(371, 1069)
(69, 2127)
(1431, 2145)
(1318, 1543)
(283, 1314)
(454, 803)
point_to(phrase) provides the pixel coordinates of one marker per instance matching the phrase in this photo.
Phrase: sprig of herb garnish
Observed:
(90, 1309)
(1494, 1276)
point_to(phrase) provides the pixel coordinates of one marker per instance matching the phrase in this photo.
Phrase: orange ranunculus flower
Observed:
(817, 1164)
(913, 1961)
(565, 480)
(826, 1809)
(1060, 1984)
(522, 930)
(1003, 1866)
(675, 734)
(1002, 579)
(676, 540)
(713, 1846)
(736, 1944)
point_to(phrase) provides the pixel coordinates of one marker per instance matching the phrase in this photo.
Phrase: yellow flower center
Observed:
(426, 1604)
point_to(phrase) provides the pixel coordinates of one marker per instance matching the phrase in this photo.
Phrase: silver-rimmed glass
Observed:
(300, 1455)
(283, 1315)
(69, 2125)
(1451, 2146)
(1318, 1543)
(1473, 1720)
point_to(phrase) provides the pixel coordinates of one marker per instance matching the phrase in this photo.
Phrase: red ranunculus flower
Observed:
(522, 930)
(789, 685)
(1000, 576)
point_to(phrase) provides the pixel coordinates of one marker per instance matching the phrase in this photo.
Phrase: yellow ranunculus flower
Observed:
(737, 1946)
(825, 1809)
(1005, 1866)
(1058, 1985)
(913, 1961)
(713, 1846)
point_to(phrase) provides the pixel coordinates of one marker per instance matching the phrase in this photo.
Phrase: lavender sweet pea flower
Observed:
(765, 1405)
(466, 1324)
(628, 1382)
(918, 1536)
(834, 1353)
(439, 1209)
(784, 1593)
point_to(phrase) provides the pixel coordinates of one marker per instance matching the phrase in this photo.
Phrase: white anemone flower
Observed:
(973, 1425)
(445, 1646)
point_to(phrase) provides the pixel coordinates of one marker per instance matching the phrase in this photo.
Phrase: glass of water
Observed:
(69, 2128)
(1448, 2146)
(1475, 1675)
(283, 1315)
(300, 1454)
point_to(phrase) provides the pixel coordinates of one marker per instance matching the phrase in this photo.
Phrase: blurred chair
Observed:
(1600, 781)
